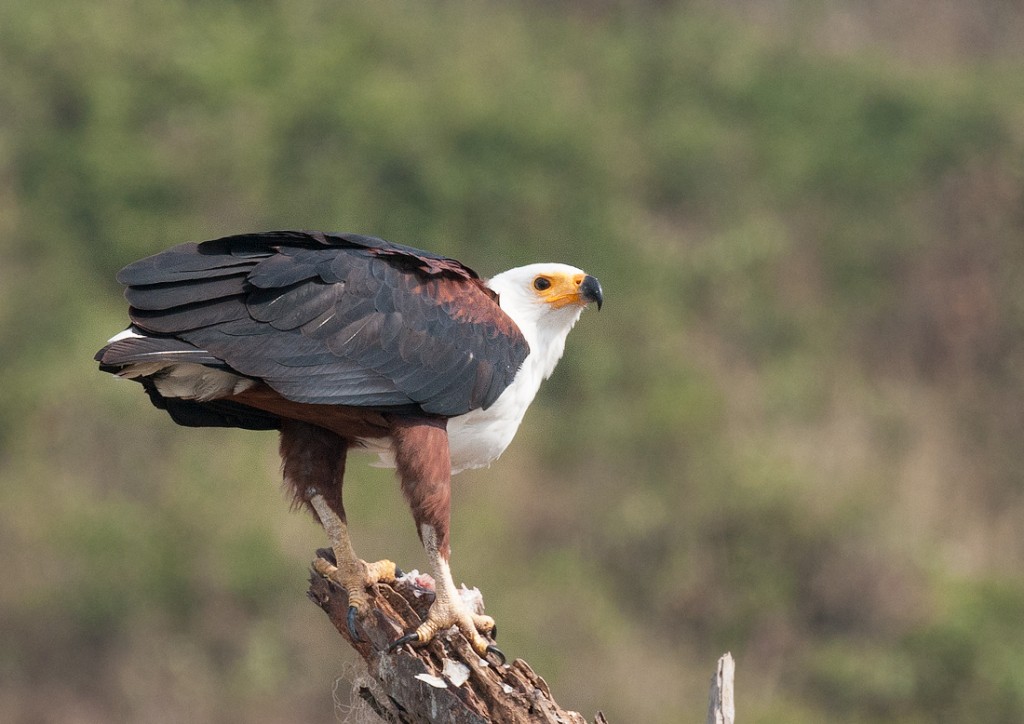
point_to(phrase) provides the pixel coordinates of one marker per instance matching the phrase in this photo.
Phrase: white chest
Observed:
(479, 437)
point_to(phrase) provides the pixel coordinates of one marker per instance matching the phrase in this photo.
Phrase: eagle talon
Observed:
(353, 613)
(409, 638)
(492, 649)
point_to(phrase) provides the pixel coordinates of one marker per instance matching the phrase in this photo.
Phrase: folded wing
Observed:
(324, 318)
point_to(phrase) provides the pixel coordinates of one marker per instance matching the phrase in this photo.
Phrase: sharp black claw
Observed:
(494, 632)
(399, 573)
(409, 638)
(492, 649)
(351, 618)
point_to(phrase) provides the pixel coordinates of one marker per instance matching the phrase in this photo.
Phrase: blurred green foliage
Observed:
(793, 432)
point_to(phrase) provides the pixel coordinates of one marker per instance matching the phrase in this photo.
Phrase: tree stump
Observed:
(444, 681)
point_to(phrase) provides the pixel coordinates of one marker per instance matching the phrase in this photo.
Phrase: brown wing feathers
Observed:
(331, 319)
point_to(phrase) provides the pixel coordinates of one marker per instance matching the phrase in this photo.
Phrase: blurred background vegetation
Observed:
(794, 432)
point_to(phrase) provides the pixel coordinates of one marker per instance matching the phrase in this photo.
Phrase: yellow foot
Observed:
(452, 611)
(355, 576)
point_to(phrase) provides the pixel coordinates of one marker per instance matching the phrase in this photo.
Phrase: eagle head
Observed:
(546, 292)
(545, 301)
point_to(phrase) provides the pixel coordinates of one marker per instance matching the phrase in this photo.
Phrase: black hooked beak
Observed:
(590, 290)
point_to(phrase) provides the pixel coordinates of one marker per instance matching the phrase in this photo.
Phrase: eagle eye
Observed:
(541, 283)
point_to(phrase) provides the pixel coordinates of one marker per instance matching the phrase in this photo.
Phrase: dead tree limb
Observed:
(721, 707)
(444, 681)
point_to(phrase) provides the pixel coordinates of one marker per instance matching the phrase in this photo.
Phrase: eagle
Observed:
(349, 342)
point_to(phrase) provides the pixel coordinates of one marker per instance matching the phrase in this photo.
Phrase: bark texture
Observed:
(444, 681)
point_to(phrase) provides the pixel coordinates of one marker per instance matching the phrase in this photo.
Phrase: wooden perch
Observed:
(424, 684)
(445, 681)
(721, 707)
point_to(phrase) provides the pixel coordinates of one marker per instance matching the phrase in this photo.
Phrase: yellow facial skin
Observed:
(560, 290)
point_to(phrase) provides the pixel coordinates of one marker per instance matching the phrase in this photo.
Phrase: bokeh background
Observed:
(794, 432)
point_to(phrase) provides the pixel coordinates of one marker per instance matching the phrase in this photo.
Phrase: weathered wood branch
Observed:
(426, 684)
(721, 706)
(445, 681)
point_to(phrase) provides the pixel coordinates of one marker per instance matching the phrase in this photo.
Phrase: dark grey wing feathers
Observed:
(175, 294)
(333, 319)
(201, 314)
(135, 350)
(184, 261)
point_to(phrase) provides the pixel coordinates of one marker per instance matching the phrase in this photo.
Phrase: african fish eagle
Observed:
(343, 341)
